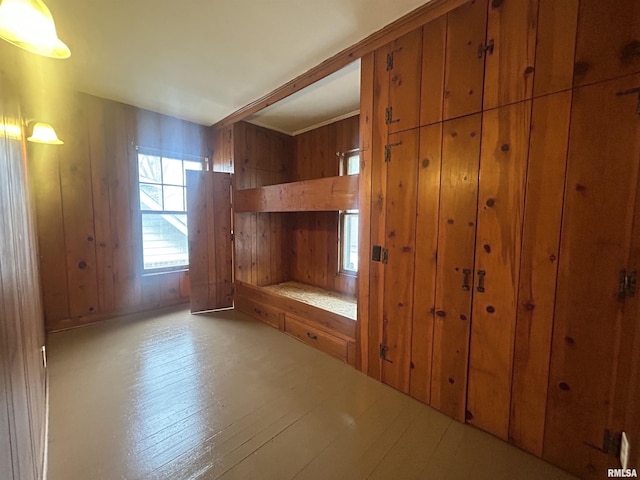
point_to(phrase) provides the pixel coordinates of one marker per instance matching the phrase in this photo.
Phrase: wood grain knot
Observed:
(496, 3)
(580, 68)
(425, 163)
(441, 313)
(450, 221)
(569, 340)
(580, 187)
(490, 309)
(505, 147)
(630, 51)
(529, 70)
(564, 386)
(452, 380)
(487, 248)
(529, 306)
(82, 265)
(463, 317)
(89, 238)
(491, 202)
(552, 257)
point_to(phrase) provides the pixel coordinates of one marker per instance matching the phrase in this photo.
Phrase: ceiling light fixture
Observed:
(44, 133)
(29, 24)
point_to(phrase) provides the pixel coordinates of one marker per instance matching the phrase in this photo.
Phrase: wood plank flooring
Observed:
(177, 396)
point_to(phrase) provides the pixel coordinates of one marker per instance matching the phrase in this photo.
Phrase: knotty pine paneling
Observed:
(314, 250)
(86, 201)
(22, 376)
(260, 157)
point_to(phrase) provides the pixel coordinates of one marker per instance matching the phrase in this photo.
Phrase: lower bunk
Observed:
(319, 318)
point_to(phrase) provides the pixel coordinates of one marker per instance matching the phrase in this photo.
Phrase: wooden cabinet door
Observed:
(425, 261)
(400, 231)
(546, 171)
(608, 43)
(454, 279)
(510, 62)
(404, 67)
(601, 190)
(503, 168)
(464, 68)
(209, 232)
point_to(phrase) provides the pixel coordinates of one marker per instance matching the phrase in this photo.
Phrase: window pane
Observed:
(350, 243)
(191, 166)
(164, 240)
(150, 197)
(353, 165)
(149, 168)
(172, 171)
(174, 199)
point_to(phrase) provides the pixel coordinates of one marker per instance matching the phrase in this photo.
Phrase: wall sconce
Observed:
(44, 133)
(29, 24)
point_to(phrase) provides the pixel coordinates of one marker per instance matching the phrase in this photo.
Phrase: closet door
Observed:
(511, 48)
(400, 239)
(589, 367)
(503, 168)
(209, 232)
(464, 66)
(455, 261)
(404, 64)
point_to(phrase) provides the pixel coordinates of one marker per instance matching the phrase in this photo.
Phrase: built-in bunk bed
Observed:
(279, 223)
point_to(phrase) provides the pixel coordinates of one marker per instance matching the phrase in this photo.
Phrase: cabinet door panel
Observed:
(608, 44)
(404, 82)
(538, 268)
(503, 167)
(602, 173)
(400, 230)
(425, 262)
(509, 70)
(434, 36)
(378, 196)
(464, 70)
(456, 245)
(557, 23)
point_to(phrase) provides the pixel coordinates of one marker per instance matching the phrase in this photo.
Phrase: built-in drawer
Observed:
(265, 313)
(326, 342)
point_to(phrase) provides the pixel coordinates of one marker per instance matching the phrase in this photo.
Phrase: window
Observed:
(348, 224)
(163, 207)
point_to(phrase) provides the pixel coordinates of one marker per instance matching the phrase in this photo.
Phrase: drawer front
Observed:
(264, 313)
(326, 342)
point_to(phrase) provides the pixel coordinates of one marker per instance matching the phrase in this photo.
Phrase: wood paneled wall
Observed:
(260, 157)
(314, 251)
(88, 220)
(22, 377)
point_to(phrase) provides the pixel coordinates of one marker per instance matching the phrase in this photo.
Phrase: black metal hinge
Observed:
(483, 49)
(389, 61)
(387, 151)
(631, 91)
(383, 352)
(388, 116)
(627, 283)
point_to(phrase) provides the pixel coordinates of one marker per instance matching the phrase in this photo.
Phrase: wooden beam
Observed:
(402, 26)
(322, 194)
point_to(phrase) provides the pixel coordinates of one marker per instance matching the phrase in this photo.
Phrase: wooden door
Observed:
(510, 59)
(400, 231)
(503, 168)
(404, 65)
(210, 247)
(456, 248)
(464, 68)
(608, 43)
(588, 365)
(425, 261)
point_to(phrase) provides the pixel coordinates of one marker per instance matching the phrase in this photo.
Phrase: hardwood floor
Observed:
(176, 396)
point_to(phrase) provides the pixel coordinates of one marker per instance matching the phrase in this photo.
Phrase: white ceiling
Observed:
(201, 60)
